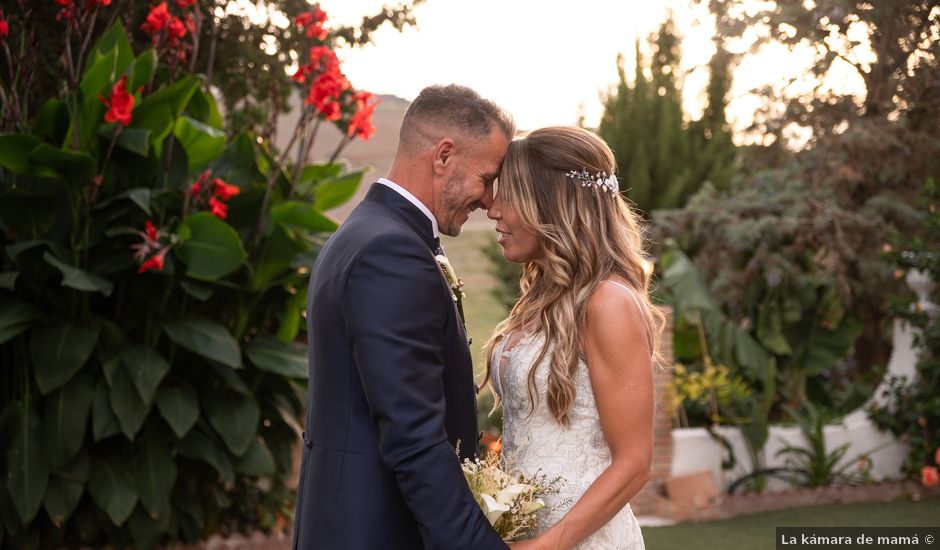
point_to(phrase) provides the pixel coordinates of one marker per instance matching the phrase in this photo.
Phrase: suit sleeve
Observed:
(395, 314)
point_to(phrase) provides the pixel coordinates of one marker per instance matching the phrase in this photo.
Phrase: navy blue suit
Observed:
(390, 393)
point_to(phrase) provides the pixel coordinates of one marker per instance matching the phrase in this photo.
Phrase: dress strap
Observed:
(629, 290)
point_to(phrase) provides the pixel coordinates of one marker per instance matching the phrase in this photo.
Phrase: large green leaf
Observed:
(142, 69)
(99, 75)
(79, 279)
(66, 415)
(204, 108)
(202, 142)
(62, 496)
(112, 487)
(198, 446)
(146, 367)
(8, 281)
(277, 253)
(59, 351)
(257, 461)
(52, 122)
(770, 327)
(113, 40)
(103, 422)
(313, 174)
(210, 247)
(135, 140)
(271, 355)
(333, 192)
(206, 338)
(159, 110)
(128, 406)
(14, 153)
(237, 165)
(15, 317)
(155, 473)
(820, 348)
(146, 530)
(235, 418)
(28, 475)
(291, 316)
(179, 406)
(303, 215)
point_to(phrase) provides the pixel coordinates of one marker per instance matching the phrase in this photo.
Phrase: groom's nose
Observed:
(486, 201)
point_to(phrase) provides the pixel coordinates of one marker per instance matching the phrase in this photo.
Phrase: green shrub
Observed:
(153, 282)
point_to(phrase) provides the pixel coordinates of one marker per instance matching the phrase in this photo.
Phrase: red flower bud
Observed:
(184, 4)
(218, 208)
(155, 262)
(4, 26)
(151, 231)
(224, 190)
(120, 104)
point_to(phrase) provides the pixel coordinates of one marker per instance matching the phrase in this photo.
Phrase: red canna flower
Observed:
(184, 4)
(225, 191)
(151, 231)
(4, 26)
(361, 122)
(218, 208)
(929, 476)
(120, 104)
(156, 20)
(323, 55)
(154, 262)
(304, 19)
(177, 28)
(317, 31)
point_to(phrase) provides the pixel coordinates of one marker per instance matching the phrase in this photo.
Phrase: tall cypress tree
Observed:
(661, 160)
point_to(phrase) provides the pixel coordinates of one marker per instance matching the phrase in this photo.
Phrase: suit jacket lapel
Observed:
(404, 210)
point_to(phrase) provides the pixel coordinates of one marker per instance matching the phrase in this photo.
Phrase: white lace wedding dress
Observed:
(537, 444)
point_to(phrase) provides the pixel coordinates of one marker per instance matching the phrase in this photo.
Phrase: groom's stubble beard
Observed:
(452, 200)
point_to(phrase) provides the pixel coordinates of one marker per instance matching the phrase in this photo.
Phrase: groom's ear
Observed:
(444, 156)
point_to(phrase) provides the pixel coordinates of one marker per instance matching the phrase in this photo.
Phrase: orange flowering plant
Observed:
(153, 278)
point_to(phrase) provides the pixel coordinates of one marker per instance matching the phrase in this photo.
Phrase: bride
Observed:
(573, 363)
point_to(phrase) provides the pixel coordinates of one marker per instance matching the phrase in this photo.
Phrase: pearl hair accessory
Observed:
(599, 180)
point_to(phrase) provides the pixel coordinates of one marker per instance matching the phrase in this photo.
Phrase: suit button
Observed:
(480, 437)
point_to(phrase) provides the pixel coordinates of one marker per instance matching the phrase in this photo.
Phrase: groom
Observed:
(391, 380)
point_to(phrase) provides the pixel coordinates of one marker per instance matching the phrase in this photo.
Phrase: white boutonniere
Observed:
(456, 285)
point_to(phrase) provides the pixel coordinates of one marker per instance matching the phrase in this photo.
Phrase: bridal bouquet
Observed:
(511, 502)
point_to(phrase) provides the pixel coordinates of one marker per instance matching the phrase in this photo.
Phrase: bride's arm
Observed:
(618, 357)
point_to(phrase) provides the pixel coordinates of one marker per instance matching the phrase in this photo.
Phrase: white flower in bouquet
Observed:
(512, 502)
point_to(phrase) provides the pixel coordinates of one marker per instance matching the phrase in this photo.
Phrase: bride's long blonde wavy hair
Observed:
(588, 235)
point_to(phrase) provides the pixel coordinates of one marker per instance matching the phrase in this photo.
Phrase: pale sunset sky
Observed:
(549, 61)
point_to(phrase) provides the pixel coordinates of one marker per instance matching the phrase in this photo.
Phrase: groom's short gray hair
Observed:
(442, 110)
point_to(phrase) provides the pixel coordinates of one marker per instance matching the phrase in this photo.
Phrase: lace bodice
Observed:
(538, 444)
